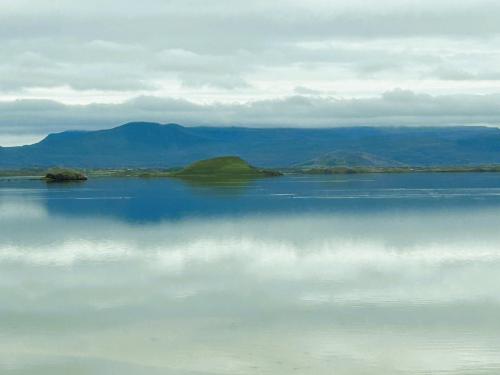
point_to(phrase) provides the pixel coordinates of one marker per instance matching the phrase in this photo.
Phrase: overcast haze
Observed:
(95, 64)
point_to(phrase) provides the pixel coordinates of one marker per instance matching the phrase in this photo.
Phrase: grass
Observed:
(225, 166)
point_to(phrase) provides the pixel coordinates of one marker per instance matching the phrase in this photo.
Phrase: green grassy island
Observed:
(225, 166)
(65, 175)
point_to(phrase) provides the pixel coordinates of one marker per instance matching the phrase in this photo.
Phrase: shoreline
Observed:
(396, 170)
(35, 174)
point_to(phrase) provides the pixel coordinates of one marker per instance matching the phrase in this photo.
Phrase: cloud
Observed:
(393, 108)
(457, 74)
(222, 23)
(302, 90)
(239, 46)
(234, 62)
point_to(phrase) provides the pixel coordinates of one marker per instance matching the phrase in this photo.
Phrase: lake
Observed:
(348, 274)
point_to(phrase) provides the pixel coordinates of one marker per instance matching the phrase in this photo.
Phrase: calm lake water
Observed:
(364, 274)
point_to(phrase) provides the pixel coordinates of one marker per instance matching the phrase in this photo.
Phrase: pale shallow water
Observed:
(371, 274)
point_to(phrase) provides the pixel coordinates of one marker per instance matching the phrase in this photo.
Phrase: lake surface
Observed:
(362, 274)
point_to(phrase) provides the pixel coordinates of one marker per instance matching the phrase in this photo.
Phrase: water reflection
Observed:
(375, 289)
(219, 186)
(156, 200)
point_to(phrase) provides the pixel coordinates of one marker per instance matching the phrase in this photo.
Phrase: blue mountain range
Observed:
(152, 145)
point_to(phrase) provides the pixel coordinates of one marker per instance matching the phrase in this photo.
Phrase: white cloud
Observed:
(234, 45)
(209, 55)
(26, 118)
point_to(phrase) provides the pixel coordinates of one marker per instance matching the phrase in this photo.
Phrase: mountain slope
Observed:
(156, 145)
(349, 159)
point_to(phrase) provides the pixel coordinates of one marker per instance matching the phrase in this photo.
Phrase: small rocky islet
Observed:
(62, 175)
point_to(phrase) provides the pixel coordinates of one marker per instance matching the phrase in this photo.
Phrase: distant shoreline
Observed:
(162, 173)
(360, 170)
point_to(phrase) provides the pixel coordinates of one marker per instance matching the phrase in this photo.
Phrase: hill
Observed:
(225, 166)
(349, 159)
(152, 145)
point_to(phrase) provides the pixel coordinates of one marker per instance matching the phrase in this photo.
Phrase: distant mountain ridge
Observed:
(143, 144)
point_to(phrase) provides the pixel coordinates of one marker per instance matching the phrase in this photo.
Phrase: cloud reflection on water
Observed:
(374, 292)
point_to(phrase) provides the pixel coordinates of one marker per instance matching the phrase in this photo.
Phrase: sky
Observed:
(95, 64)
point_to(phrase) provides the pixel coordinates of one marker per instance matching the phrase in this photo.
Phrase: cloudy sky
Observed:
(97, 63)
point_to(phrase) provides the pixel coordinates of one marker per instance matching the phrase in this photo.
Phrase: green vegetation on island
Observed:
(228, 168)
(354, 170)
(225, 166)
(65, 175)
